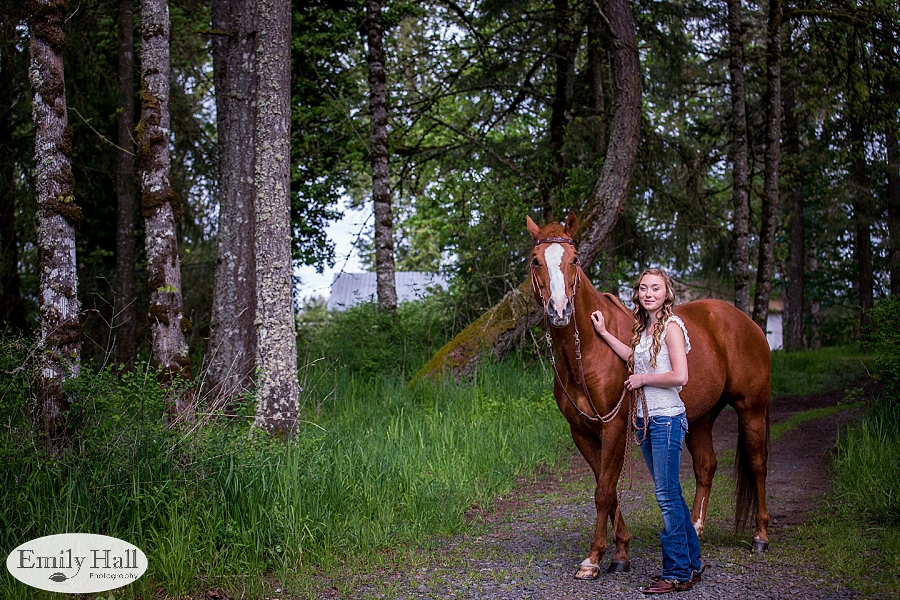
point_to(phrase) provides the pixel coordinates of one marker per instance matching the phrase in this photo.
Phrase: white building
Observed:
(349, 289)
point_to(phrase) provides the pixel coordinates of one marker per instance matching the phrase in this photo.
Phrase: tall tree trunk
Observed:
(607, 200)
(862, 223)
(11, 312)
(276, 350)
(381, 180)
(595, 62)
(232, 340)
(814, 340)
(161, 208)
(125, 313)
(793, 308)
(740, 221)
(58, 216)
(765, 268)
(893, 177)
(561, 109)
(505, 322)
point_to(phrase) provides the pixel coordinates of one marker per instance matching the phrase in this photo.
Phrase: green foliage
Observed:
(867, 465)
(367, 342)
(817, 371)
(217, 503)
(884, 340)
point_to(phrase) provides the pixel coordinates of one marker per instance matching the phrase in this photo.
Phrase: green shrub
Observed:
(867, 464)
(884, 339)
(368, 342)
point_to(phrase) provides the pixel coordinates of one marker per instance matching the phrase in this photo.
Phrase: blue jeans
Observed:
(662, 453)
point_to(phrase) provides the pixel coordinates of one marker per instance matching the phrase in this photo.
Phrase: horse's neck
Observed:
(587, 300)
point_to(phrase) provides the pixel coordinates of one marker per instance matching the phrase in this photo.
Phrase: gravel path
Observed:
(529, 545)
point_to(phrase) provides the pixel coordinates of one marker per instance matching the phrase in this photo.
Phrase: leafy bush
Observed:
(884, 338)
(368, 342)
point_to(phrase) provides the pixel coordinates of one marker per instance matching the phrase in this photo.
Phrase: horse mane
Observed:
(618, 302)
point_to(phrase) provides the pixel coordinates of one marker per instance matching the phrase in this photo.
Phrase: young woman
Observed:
(657, 357)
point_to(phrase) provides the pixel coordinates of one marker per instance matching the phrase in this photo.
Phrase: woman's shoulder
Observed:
(676, 323)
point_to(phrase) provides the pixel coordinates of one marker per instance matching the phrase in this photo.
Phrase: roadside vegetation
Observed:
(377, 467)
(215, 504)
(858, 534)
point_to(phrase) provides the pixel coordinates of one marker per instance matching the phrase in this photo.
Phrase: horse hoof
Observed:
(760, 546)
(588, 571)
(619, 566)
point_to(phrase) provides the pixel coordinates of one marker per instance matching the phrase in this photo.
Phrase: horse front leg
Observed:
(606, 470)
(615, 444)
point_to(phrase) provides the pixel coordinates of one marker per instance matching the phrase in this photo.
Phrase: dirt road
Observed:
(529, 544)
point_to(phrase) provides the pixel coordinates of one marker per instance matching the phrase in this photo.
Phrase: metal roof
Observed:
(349, 289)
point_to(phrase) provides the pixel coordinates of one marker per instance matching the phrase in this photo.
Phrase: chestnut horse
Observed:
(729, 364)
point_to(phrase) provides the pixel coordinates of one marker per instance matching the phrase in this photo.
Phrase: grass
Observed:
(857, 534)
(376, 465)
(817, 372)
(378, 470)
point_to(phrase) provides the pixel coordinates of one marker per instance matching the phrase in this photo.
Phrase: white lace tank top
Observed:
(661, 402)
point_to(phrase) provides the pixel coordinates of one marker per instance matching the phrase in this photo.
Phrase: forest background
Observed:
(493, 111)
(474, 98)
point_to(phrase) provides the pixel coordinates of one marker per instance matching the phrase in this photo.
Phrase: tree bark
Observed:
(793, 307)
(232, 341)
(381, 183)
(814, 339)
(765, 268)
(125, 312)
(862, 223)
(276, 350)
(507, 321)
(893, 177)
(740, 220)
(161, 208)
(607, 200)
(561, 109)
(58, 216)
(595, 61)
(11, 311)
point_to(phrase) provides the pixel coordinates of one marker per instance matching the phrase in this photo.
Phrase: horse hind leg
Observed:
(751, 458)
(700, 444)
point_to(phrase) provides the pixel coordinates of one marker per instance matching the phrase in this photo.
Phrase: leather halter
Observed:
(596, 417)
(554, 240)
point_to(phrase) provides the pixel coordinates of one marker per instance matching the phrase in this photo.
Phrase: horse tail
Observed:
(745, 493)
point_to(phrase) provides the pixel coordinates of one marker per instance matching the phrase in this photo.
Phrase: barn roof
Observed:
(349, 289)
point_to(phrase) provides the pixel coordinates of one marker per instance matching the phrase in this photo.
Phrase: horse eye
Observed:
(575, 261)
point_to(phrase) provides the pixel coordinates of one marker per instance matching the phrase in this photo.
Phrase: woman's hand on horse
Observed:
(599, 323)
(634, 381)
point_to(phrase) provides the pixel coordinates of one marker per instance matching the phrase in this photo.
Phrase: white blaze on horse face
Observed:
(553, 255)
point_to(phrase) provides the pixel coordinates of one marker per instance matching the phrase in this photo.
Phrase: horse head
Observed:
(554, 268)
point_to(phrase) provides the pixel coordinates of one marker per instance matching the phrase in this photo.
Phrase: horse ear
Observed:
(533, 229)
(571, 224)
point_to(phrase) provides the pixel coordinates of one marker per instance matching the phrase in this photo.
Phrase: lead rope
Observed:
(631, 434)
(596, 416)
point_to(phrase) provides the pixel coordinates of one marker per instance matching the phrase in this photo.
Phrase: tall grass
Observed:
(867, 465)
(374, 464)
(817, 372)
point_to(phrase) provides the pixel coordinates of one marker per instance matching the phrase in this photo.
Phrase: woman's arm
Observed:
(622, 349)
(678, 376)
